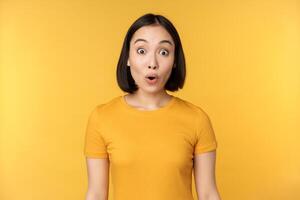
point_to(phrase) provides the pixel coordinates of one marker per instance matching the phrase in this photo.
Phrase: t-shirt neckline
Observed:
(166, 107)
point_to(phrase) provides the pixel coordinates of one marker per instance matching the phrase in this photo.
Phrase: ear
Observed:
(128, 63)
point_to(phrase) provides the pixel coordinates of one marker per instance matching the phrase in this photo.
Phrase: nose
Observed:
(153, 62)
(150, 66)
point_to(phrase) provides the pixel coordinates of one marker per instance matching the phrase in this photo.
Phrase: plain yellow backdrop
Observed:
(58, 60)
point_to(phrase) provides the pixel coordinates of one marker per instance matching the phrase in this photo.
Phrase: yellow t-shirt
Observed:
(150, 151)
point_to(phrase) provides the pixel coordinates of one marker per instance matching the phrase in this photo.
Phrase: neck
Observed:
(148, 100)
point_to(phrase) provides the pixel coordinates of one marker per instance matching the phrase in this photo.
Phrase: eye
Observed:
(141, 51)
(165, 52)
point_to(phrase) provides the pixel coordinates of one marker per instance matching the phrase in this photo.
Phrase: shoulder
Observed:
(107, 106)
(196, 110)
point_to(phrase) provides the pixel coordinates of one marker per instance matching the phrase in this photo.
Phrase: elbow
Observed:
(95, 196)
(210, 196)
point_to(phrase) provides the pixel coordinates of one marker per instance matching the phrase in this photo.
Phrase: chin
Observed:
(152, 89)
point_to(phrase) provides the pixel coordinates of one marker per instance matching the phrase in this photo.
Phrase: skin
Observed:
(98, 178)
(160, 58)
(204, 174)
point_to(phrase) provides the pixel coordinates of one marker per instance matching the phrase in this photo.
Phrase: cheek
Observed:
(166, 65)
(137, 72)
(166, 62)
(167, 70)
(135, 60)
(137, 68)
(167, 74)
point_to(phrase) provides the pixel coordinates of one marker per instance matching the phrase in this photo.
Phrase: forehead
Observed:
(152, 33)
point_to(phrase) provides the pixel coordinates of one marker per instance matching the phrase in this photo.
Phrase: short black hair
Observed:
(177, 77)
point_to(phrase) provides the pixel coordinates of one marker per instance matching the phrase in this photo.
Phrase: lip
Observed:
(152, 75)
(151, 82)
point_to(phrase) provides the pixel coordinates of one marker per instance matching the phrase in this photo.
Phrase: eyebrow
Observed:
(163, 41)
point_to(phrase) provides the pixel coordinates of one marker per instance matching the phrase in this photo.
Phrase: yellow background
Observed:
(58, 60)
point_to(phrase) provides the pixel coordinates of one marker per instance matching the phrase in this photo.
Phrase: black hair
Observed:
(177, 77)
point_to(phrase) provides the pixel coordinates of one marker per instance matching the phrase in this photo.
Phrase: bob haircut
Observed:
(177, 77)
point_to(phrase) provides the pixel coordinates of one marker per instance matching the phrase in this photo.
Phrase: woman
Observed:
(149, 140)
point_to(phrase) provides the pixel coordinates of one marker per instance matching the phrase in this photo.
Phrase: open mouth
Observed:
(151, 77)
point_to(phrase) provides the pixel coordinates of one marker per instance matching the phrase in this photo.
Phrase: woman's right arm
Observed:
(98, 178)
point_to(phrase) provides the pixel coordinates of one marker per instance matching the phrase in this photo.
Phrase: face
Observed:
(151, 46)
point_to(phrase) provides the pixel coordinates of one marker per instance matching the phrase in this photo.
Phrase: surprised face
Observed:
(151, 53)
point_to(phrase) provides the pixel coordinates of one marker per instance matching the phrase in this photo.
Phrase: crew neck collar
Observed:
(130, 108)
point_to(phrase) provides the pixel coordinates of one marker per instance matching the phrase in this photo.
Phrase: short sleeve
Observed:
(94, 144)
(205, 136)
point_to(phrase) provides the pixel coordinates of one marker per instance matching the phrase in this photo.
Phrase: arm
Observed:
(98, 178)
(204, 173)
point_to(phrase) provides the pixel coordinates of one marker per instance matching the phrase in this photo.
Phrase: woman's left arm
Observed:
(204, 174)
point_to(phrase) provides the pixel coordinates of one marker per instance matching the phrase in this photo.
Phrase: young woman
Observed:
(149, 140)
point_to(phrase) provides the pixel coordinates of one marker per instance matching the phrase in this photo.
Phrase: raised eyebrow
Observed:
(163, 41)
(166, 41)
